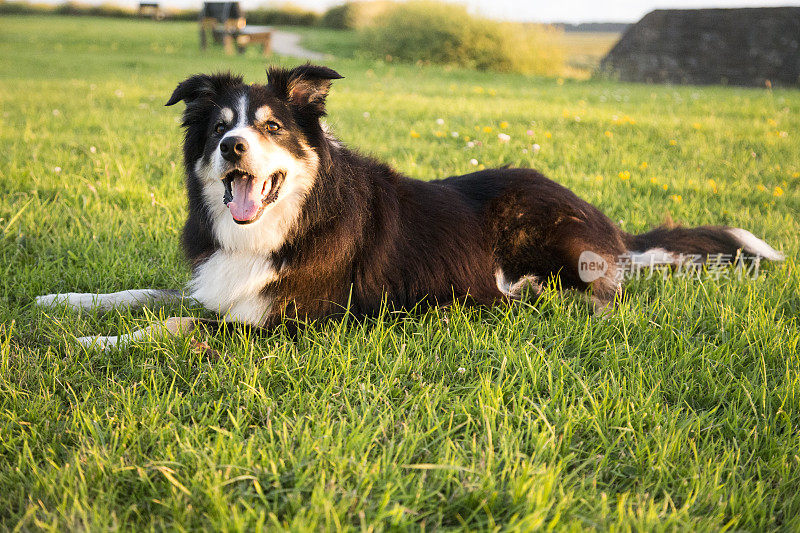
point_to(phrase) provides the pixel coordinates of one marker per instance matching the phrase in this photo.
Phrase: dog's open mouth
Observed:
(247, 195)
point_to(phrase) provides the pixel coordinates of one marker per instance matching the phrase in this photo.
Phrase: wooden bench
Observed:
(151, 10)
(227, 24)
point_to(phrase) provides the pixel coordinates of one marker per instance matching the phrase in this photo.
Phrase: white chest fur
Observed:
(232, 283)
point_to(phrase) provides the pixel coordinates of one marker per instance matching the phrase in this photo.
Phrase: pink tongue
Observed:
(246, 198)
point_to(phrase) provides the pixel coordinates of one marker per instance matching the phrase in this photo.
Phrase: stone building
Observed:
(748, 46)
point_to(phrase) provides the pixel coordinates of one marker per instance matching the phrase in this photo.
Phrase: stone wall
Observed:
(747, 46)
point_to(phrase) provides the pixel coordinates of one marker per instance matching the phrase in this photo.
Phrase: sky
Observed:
(522, 10)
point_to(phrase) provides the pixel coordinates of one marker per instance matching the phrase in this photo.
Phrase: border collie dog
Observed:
(283, 220)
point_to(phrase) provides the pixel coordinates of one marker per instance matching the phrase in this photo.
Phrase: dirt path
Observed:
(288, 44)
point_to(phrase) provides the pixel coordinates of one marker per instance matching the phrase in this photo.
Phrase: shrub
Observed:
(285, 15)
(355, 15)
(436, 32)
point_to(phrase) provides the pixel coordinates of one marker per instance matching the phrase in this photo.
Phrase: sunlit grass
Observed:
(680, 411)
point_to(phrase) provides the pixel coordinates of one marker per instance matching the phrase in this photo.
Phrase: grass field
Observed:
(680, 411)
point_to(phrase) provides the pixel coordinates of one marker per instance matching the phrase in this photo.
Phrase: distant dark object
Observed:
(594, 27)
(151, 10)
(755, 46)
(228, 26)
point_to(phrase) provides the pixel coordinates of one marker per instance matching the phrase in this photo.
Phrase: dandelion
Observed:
(608, 134)
(487, 129)
(503, 137)
(492, 92)
(772, 122)
(713, 185)
(548, 135)
(654, 180)
(414, 135)
(440, 121)
(777, 192)
(599, 177)
(473, 162)
(536, 148)
(439, 133)
(454, 134)
(761, 188)
(697, 125)
(677, 198)
(665, 186)
(643, 166)
(504, 124)
(796, 174)
(624, 175)
(673, 142)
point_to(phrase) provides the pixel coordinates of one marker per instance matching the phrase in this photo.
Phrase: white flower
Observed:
(504, 137)
(470, 144)
(57, 170)
(93, 149)
(56, 112)
(366, 114)
(440, 121)
(536, 148)
(473, 162)
(454, 134)
(462, 370)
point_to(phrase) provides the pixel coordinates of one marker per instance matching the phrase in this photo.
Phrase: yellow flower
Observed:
(504, 124)
(777, 192)
(608, 134)
(560, 81)
(487, 129)
(438, 133)
(673, 142)
(665, 186)
(677, 198)
(796, 175)
(478, 90)
(492, 92)
(713, 185)
(548, 135)
(771, 122)
(624, 175)
(761, 187)
(414, 134)
(643, 166)
(697, 125)
(654, 180)
(599, 177)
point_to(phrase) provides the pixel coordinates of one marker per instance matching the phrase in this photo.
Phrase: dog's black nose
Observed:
(233, 148)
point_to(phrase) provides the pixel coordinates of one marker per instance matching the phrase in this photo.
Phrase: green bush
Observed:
(435, 32)
(285, 15)
(355, 15)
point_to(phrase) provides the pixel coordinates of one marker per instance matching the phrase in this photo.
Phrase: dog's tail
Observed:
(671, 244)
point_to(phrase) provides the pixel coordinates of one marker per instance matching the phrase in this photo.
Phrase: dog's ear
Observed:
(202, 86)
(305, 86)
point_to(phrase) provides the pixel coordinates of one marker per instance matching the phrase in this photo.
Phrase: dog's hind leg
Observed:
(131, 299)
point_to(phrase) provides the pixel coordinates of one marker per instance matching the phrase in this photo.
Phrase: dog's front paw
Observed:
(97, 342)
(76, 300)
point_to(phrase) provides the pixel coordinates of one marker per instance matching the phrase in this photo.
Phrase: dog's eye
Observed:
(273, 127)
(219, 128)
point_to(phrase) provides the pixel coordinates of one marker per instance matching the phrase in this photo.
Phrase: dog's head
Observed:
(253, 146)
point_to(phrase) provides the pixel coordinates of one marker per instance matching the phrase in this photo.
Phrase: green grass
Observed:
(680, 411)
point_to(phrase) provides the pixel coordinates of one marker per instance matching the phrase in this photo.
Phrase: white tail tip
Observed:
(755, 246)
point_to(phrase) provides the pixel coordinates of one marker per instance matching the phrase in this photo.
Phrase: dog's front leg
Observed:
(170, 327)
(131, 299)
